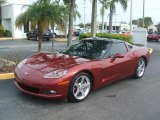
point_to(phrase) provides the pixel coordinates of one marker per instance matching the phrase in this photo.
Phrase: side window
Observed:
(130, 46)
(117, 48)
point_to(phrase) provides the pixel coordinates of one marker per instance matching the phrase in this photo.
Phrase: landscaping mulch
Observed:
(7, 69)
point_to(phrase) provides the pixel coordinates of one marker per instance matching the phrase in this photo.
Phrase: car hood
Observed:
(46, 62)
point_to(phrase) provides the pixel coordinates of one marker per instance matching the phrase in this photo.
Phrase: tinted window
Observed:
(95, 49)
(117, 48)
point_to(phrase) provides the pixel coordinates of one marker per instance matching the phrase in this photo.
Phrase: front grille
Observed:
(28, 88)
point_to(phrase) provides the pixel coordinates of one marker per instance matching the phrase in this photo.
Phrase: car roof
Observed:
(106, 39)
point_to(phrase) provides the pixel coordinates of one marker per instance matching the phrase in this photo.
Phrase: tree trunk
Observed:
(53, 39)
(110, 19)
(70, 29)
(40, 32)
(94, 18)
(66, 25)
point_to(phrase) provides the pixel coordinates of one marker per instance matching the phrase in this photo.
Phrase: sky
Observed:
(152, 9)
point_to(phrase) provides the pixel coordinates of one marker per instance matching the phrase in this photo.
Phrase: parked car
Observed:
(80, 31)
(34, 35)
(58, 32)
(154, 36)
(84, 67)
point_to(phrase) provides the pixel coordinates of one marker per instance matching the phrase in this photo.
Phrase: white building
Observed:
(117, 26)
(10, 10)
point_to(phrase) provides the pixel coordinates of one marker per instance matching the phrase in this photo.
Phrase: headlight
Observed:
(21, 63)
(56, 74)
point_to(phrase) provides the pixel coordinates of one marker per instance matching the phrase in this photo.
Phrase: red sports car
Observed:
(85, 66)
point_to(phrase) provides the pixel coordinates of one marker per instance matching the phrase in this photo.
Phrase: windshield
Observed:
(95, 49)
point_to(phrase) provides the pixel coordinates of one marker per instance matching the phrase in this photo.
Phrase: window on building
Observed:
(26, 28)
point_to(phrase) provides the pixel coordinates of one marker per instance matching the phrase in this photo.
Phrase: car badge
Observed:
(26, 73)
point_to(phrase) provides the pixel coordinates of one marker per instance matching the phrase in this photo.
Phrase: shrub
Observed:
(85, 35)
(127, 38)
(1, 30)
(7, 33)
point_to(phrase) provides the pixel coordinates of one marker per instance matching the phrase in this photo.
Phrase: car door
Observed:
(117, 64)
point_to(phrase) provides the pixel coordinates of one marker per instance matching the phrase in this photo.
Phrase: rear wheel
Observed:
(80, 87)
(140, 69)
(36, 38)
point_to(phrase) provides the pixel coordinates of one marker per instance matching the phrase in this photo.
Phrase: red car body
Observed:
(154, 36)
(29, 78)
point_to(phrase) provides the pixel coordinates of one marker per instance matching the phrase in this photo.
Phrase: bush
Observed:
(85, 35)
(127, 38)
(7, 33)
(1, 30)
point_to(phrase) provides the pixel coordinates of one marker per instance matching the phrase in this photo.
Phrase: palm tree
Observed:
(113, 9)
(105, 5)
(71, 4)
(43, 13)
(75, 15)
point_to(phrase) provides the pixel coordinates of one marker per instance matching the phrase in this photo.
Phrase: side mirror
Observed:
(118, 55)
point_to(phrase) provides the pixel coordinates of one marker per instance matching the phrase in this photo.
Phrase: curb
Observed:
(11, 38)
(6, 76)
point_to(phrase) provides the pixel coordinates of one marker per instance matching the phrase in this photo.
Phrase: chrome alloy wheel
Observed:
(141, 67)
(81, 87)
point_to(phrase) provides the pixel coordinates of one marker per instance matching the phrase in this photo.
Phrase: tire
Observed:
(80, 87)
(140, 69)
(36, 38)
(28, 38)
(48, 39)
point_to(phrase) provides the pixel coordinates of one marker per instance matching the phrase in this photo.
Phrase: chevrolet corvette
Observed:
(84, 67)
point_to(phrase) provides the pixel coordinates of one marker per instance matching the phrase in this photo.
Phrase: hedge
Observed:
(127, 38)
(1, 30)
(7, 33)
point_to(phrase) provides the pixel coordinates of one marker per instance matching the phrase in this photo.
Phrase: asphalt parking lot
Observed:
(128, 99)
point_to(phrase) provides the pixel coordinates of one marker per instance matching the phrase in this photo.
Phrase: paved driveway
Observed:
(128, 99)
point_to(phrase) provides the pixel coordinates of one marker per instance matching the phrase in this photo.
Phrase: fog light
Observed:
(49, 92)
(52, 92)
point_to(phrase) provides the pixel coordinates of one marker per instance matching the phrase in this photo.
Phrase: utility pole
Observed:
(143, 12)
(84, 13)
(131, 9)
(94, 18)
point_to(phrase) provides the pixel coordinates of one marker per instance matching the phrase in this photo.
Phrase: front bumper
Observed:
(61, 91)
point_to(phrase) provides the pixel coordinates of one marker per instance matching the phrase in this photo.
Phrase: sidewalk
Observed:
(56, 39)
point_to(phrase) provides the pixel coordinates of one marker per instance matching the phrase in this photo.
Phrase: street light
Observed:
(84, 13)
(131, 17)
(143, 11)
(94, 18)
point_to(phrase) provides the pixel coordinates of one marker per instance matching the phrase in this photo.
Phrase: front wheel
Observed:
(80, 87)
(140, 69)
(48, 39)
